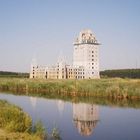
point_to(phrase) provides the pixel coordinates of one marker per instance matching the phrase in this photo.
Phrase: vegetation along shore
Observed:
(16, 124)
(114, 88)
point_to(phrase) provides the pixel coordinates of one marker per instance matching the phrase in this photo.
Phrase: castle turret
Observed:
(86, 54)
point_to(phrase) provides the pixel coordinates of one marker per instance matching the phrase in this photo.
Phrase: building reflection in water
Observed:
(33, 101)
(85, 117)
(60, 105)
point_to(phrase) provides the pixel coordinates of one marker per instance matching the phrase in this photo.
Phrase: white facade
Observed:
(86, 54)
(85, 61)
(38, 72)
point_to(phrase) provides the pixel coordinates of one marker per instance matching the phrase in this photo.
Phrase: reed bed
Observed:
(115, 88)
(16, 124)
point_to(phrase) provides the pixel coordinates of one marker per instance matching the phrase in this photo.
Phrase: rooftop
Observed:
(86, 37)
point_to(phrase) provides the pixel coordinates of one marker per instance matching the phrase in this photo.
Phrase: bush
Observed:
(39, 130)
(13, 119)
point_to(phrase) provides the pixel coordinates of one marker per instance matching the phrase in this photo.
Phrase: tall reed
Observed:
(110, 88)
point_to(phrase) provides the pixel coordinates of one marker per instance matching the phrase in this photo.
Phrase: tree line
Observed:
(122, 73)
(14, 74)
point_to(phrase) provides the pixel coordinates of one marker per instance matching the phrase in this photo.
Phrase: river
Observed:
(81, 121)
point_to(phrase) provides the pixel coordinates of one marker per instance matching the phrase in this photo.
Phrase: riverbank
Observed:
(16, 124)
(114, 88)
(16, 136)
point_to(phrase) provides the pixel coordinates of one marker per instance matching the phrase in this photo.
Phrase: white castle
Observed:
(85, 61)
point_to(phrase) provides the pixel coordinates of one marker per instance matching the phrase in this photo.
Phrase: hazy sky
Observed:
(44, 28)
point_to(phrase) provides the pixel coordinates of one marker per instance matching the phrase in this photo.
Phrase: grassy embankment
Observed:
(17, 125)
(116, 88)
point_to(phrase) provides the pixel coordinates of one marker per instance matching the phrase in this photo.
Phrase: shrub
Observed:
(13, 119)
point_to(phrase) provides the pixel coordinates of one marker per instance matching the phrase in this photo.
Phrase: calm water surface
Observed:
(81, 121)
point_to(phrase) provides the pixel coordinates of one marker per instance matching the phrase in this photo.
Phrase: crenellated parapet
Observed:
(86, 37)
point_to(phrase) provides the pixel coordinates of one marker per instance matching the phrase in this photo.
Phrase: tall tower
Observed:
(33, 68)
(61, 67)
(86, 54)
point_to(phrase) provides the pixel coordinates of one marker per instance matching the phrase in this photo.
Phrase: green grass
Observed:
(110, 88)
(16, 124)
(17, 136)
(13, 119)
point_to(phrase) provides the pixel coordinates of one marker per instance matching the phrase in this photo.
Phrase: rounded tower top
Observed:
(86, 37)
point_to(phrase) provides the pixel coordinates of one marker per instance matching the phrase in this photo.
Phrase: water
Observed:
(81, 121)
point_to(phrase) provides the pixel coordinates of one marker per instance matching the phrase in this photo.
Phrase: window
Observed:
(92, 67)
(92, 59)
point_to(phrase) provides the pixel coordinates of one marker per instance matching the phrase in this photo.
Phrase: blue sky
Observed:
(44, 28)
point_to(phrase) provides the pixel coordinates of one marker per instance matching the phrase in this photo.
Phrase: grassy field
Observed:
(17, 136)
(16, 124)
(114, 88)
